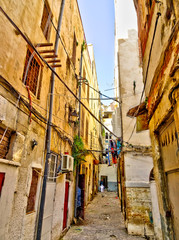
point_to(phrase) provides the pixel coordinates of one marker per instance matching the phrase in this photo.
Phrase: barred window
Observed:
(31, 75)
(32, 193)
(46, 21)
(52, 167)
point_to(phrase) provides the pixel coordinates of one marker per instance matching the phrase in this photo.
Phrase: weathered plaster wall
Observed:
(138, 202)
(130, 71)
(6, 200)
(155, 211)
(162, 90)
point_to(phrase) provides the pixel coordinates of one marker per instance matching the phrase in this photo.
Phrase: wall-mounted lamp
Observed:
(73, 116)
(33, 143)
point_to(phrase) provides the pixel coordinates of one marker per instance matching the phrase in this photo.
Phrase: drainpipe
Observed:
(49, 130)
(79, 129)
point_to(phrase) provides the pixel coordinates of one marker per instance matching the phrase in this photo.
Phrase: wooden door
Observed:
(170, 157)
(65, 213)
(82, 187)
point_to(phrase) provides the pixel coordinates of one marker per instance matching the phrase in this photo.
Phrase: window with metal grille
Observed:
(31, 75)
(74, 50)
(32, 194)
(52, 167)
(4, 145)
(87, 125)
(46, 22)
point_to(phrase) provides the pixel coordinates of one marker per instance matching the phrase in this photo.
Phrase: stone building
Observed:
(158, 24)
(25, 99)
(135, 162)
(90, 129)
(107, 170)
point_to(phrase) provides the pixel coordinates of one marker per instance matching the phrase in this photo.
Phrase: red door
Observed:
(65, 213)
(2, 176)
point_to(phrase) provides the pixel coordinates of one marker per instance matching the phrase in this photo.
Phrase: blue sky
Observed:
(98, 21)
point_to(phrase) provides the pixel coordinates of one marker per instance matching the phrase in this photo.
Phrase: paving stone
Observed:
(103, 221)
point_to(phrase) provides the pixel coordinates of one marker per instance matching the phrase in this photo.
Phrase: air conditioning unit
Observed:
(67, 163)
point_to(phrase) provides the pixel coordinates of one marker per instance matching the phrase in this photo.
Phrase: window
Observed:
(91, 140)
(87, 125)
(74, 50)
(83, 82)
(82, 123)
(46, 21)
(4, 146)
(88, 93)
(52, 167)
(32, 193)
(2, 177)
(32, 78)
(106, 136)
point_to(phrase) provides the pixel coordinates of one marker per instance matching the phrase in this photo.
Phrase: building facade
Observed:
(32, 46)
(158, 23)
(135, 161)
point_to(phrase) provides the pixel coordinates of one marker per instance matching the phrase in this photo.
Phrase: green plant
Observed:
(78, 150)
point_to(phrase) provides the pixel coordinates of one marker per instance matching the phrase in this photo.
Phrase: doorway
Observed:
(65, 213)
(104, 180)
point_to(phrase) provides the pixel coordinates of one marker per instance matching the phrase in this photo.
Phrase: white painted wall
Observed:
(7, 194)
(110, 171)
(155, 211)
(137, 169)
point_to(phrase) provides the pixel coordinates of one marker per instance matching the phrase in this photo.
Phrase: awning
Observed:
(141, 114)
(137, 110)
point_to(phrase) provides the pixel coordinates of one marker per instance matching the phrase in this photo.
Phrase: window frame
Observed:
(53, 177)
(48, 23)
(39, 75)
(74, 50)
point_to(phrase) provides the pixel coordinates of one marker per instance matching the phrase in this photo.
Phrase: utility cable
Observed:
(52, 70)
(103, 94)
(146, 75)
(71, 63)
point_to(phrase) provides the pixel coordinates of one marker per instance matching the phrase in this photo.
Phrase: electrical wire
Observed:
(52, 70)
(71, 63)
(146, 75)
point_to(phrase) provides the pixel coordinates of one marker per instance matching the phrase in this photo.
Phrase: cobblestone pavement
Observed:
(103, 221)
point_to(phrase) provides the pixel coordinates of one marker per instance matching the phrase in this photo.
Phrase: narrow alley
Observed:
(103, 220)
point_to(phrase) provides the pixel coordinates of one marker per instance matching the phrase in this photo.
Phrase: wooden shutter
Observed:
(33, 191)
(4, 146)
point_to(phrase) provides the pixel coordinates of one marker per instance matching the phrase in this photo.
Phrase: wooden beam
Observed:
(54, 61)
(50, 56)
(44, 44)
(55, 66)
(47, 51)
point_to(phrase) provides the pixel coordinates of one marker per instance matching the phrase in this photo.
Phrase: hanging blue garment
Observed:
(109, 155)
(119, 147)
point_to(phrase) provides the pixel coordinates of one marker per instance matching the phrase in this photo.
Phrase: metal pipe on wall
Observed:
(49, 130)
